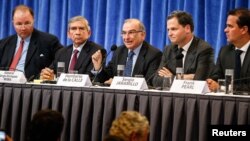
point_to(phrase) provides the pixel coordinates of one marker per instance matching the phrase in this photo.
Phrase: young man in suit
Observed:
(238, 35)
(79, 32)
(187, 51)
(29, 50)
(145, 58)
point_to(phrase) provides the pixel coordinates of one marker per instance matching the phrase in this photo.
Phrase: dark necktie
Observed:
(237, 64)
(129, 64)
(74, 60)
(178, 57)
(17, 56)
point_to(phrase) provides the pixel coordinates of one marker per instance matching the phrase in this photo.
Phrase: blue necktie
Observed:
(237, 64)
(129, 64)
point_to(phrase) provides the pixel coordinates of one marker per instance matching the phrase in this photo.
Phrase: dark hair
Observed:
(183, 18)
(23, 8)
(46, 125)
(243, 15)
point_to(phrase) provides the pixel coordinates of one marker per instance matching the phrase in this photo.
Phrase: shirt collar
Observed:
(25, 40)
(186, 46)
(136, 50)
(245, 47)
(79, 48)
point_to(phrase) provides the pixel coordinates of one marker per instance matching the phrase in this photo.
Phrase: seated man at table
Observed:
(29, 50)
(187, 51)
(130, 126)
(236, 55)
(46, 125)
(77, 57)
(138, 57)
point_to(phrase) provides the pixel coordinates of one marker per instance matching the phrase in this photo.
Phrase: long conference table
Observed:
(89, 111)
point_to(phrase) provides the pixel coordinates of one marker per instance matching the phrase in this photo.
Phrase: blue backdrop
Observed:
(106, 18)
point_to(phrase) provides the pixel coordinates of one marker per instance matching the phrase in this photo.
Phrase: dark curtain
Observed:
(106, 18)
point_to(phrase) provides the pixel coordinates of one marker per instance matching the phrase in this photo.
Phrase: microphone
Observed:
(104, 55)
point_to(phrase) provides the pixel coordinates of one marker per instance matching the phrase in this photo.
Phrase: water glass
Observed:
(222, 86)
(179, 73)
(166, 83)
(120, 70)
(229, 76)
(60, 69)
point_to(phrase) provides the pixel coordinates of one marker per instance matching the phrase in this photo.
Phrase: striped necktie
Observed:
(129, 64)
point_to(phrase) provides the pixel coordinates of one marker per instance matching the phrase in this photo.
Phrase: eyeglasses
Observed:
(26, 24)
(130, 33)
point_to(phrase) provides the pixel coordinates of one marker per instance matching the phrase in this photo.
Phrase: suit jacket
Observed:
(199, 60)
(226, 60)
(84, 63)
(146, 63)
(41, 52)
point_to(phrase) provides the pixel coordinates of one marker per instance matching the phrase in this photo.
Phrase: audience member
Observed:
(112, 138)
(130, 126)
(187, 51)
(138, 57)
(29, 50)
(79, 32)
(238, 35)
(46, 125)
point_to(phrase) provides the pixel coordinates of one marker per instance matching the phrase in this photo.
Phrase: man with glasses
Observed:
(187, 51)
(77, 57)
(138, 57)
(29, 50)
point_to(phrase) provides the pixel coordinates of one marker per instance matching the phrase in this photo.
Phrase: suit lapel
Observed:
(11, 47)
(246, 62)
(190, 56)
(68, 57)
(138, 68)
(82, 56)
(32, 48)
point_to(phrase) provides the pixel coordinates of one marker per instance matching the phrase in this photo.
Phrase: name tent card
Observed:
(76, 80)
(189, 86)
(130, 83)
(12, 77)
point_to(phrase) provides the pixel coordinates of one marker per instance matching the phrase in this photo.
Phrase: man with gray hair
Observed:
(138, 56)
(77, 57)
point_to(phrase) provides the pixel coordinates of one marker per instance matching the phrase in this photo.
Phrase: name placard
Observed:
(130, 83)
(76, 80)
(12, 77)
(189, 86)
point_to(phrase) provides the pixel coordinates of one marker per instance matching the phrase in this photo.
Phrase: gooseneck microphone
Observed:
(104, 56)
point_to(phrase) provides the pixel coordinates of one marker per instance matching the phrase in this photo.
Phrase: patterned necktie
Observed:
(179, 56)
(74, 60)
(17, 56)
(129, 64)
(237, 64)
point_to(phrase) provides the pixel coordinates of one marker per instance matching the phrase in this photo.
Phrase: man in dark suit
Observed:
(194, 54)
(29, 50)
(238, 35)
(79, 32)
(145, 58)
